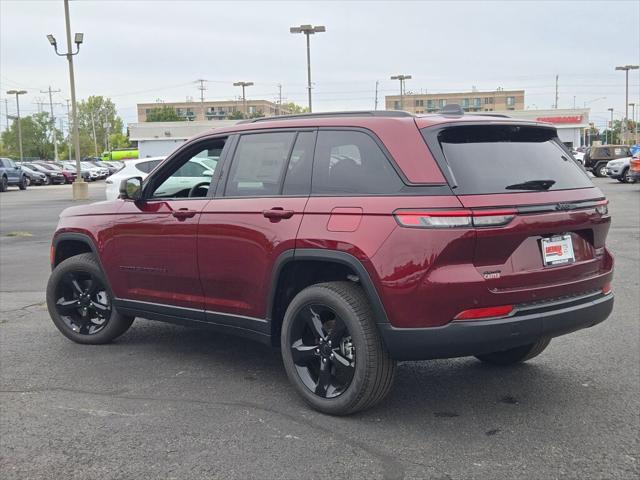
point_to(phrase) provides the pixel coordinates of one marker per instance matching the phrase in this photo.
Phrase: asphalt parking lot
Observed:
(171, 402)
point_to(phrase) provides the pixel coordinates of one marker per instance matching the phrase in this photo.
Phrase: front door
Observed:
(156, 237)
(253, 219)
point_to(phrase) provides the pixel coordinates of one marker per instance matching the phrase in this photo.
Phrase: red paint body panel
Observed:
(237, 250)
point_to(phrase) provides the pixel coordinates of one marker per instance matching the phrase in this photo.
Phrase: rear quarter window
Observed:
(482, 159)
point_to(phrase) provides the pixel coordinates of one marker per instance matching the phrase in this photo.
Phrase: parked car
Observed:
(96, 173)
(52, 176)
(111, 167)
(596, 157)
(350, 241)
(12, 174)
(93, 161)
(578, 155)
(189, 174)
(132, 168)
(33, 177)
(69, 176)
(71, 167)
(634, 167)
(619, 169)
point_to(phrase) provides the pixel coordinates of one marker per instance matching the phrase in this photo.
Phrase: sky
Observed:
(142, 51)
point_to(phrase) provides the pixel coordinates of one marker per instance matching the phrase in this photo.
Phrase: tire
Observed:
(600, 170)
(369, 371)
(61, 292)
(24, 183)
(4, 184)
(46, 181)
(515, 355)
(626, 176)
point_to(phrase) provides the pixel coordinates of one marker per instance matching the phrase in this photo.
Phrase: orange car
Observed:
(634, 167)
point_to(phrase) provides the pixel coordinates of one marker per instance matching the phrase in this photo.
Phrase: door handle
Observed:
(183, 213)
(277, 213)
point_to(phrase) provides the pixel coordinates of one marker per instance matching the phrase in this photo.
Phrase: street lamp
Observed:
(610, 129)
(626, 69)
(244, 98)
(308, 30)
(17, 93)
(80, 187)
(402, 78)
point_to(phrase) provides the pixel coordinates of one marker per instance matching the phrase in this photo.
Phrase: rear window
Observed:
(506, 158)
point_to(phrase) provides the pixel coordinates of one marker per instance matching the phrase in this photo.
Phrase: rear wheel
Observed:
(627, 177)
(600, 170)
(81, 304)
(24, 183)
(4, 184)
(332, 351)
(46, 181)
(515, 355)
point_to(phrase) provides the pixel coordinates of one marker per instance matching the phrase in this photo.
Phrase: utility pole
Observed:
(626, 69)
(95, 140)
(6, 111)
(556, 92)
(53, 122)
(69, 127)
(202, 88)
(402, 78)
(308, 30)
(244, 98)
(17, 93)
(107, 131)
(610, 129)
(80, 188)
(635, 123)
(279, 99)
(376, 102)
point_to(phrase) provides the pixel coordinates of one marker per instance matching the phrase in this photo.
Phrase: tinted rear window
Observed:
(506, 159)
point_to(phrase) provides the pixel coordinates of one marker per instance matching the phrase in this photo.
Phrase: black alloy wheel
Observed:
(322, 350)
(83, 303)
(4, 184)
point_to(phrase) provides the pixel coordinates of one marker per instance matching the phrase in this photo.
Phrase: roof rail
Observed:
(485, 114)
(356, 113)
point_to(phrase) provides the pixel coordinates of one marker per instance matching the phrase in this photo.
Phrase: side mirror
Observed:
(131, 188)
(207, 173)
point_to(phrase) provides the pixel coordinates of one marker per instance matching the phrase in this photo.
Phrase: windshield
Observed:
(506, 158)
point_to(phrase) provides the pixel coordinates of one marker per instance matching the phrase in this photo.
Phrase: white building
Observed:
(157, 139)
(570, 122)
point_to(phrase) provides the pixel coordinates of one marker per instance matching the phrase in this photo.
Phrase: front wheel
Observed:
(332, 351)
(46, 181)
(4, 184)
(515, 355)
(81, 304)
(24, 183)
(627, 177)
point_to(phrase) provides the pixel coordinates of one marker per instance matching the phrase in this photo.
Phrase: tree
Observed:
(257, 114)
(164, 114)
(37, 131)
(236, 115)
(295, 108)
(97, 113)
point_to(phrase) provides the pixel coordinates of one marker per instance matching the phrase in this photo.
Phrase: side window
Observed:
(298, 177)
(190, 174)
(349, 162)
(146, 167)
(258, 164)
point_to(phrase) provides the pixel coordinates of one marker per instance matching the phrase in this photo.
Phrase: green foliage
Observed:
(615, 136)
(164, 114)
(295, 108)
(37, 131)
(257, 114)
(99, 113)
(237, 115)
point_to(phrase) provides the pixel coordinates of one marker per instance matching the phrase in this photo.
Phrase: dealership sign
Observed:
(566, 119)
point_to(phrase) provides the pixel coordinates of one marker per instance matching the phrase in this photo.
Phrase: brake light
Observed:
(485, 312)
(603, 207)
(454, 218)
(52, 254)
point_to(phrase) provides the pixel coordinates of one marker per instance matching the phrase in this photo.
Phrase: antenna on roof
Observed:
(452, 109)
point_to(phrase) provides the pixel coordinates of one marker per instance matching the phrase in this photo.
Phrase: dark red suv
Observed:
(349, 240)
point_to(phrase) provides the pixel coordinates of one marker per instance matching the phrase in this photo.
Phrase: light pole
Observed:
(402, 78)
(80, 187)
(610, 129)
(308, 30)
(635, 123)
(17, 93)
(626, 69)
(244, 98)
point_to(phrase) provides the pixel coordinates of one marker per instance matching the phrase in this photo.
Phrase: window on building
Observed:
(511, 101)
(396, 104)
(419, 103)
(465, 102)
(258, 164)
(442, 102)
(352, 163)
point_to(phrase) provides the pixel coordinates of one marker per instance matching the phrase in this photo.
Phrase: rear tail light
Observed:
(454, 218)
(603, 207)
(485, 312)
(607, 288)
(52, 254)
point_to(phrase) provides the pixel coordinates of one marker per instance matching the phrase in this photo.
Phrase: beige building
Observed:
(218, 110)
(474, 101)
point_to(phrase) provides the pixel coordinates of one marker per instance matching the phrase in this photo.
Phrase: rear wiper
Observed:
(532, 185)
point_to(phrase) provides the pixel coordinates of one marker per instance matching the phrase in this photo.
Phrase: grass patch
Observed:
(19, 234)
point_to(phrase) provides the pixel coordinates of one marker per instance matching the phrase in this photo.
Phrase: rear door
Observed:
(539, 219)
(253, 219)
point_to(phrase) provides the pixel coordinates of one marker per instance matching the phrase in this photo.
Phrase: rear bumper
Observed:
(467, 338)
